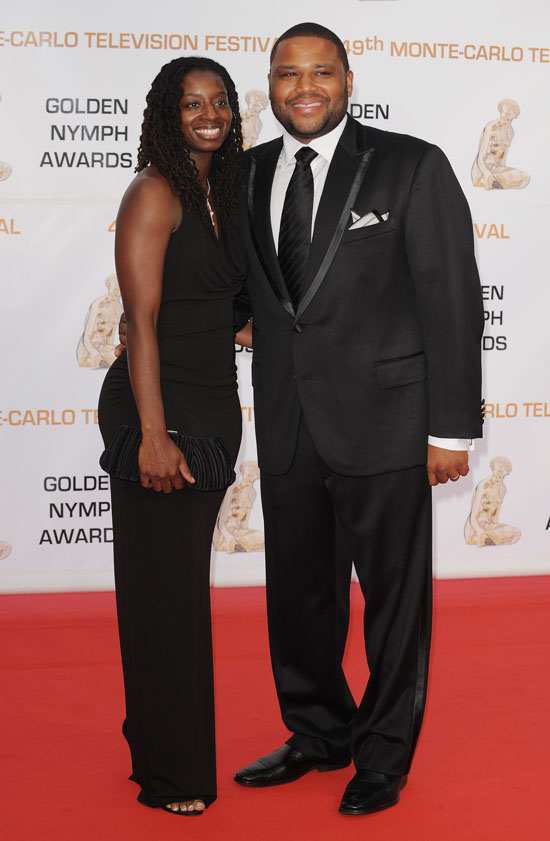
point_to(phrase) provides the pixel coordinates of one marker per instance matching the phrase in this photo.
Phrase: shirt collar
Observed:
(325, 146)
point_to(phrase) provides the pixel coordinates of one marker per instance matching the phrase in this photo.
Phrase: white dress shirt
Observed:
(325, 147)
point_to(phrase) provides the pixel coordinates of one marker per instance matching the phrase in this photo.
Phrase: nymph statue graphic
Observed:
(251, 123)
(96, 348)
(232, 533)
(482, 526)
(490, 169)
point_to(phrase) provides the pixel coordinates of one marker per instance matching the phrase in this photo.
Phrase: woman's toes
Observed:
(187, 806)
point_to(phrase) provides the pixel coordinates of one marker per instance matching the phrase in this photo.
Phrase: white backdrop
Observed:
(72, 88)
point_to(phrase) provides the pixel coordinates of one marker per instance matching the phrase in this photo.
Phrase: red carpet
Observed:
(480, 772)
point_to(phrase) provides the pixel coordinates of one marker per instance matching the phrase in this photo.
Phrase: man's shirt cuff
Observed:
(451, 443)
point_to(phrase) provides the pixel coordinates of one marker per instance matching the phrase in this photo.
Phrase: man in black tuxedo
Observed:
(366, 342)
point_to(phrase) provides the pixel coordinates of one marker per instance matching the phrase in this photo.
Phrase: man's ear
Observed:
(349, 81)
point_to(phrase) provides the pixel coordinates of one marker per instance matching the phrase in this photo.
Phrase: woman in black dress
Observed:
(180, 266)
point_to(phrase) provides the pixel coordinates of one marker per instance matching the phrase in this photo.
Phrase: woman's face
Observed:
(205, 113)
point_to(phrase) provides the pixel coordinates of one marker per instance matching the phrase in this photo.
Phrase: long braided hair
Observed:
(162, 142)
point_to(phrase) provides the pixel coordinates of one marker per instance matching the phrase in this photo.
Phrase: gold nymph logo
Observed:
(483, 526)
(490, 168)
(232, 532)
(96, 348)
(257, 101)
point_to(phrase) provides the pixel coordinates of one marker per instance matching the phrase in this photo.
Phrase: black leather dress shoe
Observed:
(284, 766)
(370, 791)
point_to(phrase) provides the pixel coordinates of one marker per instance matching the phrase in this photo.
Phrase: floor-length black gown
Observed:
(162, 541)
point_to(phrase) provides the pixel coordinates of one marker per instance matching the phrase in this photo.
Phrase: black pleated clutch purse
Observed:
(206, 456)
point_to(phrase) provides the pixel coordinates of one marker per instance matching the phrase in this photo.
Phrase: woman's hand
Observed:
(243, 337)
(162, 465)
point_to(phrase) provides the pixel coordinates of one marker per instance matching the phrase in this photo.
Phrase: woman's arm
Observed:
(148, 214)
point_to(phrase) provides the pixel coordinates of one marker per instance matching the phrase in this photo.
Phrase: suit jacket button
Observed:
(298, 328)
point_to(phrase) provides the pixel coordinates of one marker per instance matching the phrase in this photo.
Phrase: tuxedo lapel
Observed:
(346, 173)
(260, 180)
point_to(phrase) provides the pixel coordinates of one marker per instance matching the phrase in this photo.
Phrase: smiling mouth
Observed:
(305, 106)
(208, 133)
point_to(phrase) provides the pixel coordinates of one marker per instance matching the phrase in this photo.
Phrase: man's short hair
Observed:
(315, 30)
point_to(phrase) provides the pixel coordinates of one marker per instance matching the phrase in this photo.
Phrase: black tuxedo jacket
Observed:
(384, 347)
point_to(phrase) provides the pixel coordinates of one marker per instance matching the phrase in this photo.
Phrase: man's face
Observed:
(308, 87)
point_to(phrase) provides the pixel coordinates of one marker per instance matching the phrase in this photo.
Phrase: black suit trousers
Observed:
(317, 523)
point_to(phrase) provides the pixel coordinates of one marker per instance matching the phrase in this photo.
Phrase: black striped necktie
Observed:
(295, 230)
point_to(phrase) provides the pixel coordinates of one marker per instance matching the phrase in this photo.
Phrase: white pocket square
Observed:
(371, 218)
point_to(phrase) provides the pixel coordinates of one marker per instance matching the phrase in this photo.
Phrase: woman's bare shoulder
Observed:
(149, 182)
(150, 191)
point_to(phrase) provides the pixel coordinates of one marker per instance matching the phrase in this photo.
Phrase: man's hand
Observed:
(446, 464)
(121, 335)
